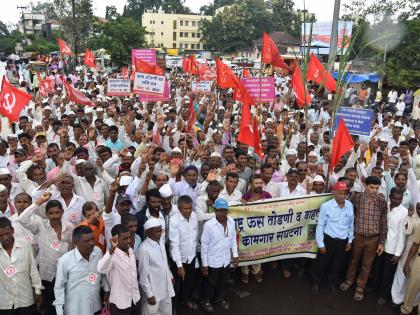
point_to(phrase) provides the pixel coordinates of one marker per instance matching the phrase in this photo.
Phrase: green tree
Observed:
(8, 39)
(403, 62)
(40, 44)
(237, 26)
(210, 8)
(284, 17)
(377, 10)
(111, 12)
(118, 37)
(75, 25)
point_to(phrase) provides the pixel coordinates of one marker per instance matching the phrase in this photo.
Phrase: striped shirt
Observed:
(50, 247)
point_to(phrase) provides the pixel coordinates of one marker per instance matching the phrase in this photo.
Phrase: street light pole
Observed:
(334, 36)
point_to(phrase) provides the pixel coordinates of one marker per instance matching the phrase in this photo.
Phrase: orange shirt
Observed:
(98, 233)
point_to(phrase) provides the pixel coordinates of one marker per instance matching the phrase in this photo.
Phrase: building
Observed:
(181, 31)
(31, 23)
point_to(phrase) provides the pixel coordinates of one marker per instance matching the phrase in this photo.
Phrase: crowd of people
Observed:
(120, 204)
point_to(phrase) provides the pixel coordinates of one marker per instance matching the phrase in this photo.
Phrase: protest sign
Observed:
(277, 228)
(147, 97)
(145, 54)
(358, 121)
(118, 87)
(201, 86)
(149, 83)
(260, 89)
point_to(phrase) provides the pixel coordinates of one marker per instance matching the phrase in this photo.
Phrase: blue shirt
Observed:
(335, 221)
(117, 145)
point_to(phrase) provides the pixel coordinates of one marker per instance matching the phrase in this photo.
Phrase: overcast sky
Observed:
(9, 13)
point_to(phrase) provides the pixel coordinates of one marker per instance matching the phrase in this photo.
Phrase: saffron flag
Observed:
(89, 59)
(246, 73)
(77, 96)
(342, 143)
(65, 49)
(302, 95)
(145, 67)
(270, 53)
(318, 74)
(12, 100)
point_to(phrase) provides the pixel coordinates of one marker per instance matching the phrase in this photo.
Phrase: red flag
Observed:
(45, 86)
(145, 67)
(246, 133)
(318, 74)
(206, 73)
(257, 141)
(190, 65)
(77, 96)
(65, 49)
(191, 116)
(241, 94)
(184, 63)
(12, 100)
(342, 143)
(299, 88)
(124, 72)
(270, 53)
(89, 59)
(246, 73)
(225, 76)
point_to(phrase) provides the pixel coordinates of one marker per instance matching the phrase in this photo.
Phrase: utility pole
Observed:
(75, 35)
(334, 36)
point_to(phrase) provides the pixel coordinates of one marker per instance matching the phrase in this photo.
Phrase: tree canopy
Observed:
(237, 26)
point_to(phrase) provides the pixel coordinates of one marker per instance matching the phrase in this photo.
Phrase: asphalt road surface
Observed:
(293, 296)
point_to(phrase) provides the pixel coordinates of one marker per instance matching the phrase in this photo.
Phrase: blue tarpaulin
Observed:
(359, 77)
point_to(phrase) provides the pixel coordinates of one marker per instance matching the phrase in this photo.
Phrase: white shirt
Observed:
(217, 244)
(272, 188)
(17, 289)
(121, 271)
(395, 238)
(78, 283)
(183, 188)
(392, 96)
(26, 184)
(72, 212)
(98, 193)
(236, 196)
(183, 238)
(284, 191)
(154, 275)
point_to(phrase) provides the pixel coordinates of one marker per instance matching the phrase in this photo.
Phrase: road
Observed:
(279, 296)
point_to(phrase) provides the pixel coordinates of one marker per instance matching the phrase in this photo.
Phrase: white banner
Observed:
(201, 86)
(119, 87)
(149, 83)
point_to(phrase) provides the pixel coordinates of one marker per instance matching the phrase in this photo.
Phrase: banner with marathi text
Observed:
(277, 228)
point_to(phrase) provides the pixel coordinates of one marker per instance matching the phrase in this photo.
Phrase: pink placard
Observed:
(261, 89)
(145, 97)
(145, 54)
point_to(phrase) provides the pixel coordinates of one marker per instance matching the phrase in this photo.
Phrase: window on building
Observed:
(193, 23)
(151, 22)
(174, 25)
(161, 33)
(181, 34)
(154, 22)
(185, 34)
(186, 23)
(198, 35)
(192, 46)
(199, 23)
(193, 35)
(186, 46)
(181, 23)
(174, 36)
(174, 44)
(161, 22)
